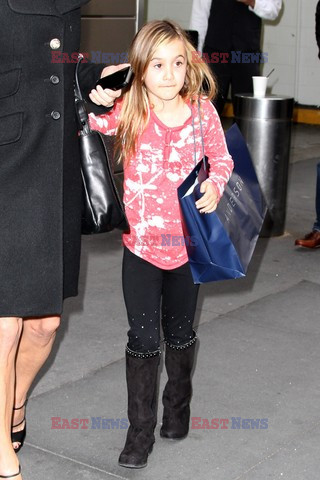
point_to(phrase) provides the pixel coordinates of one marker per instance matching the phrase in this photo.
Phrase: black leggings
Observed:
(144, 285)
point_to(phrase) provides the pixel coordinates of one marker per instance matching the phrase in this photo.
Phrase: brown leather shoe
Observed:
(311, 240)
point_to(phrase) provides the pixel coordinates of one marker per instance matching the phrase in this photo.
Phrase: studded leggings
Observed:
(154, 296)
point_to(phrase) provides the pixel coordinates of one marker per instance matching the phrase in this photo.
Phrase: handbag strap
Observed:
(194, 137)
(80, 103)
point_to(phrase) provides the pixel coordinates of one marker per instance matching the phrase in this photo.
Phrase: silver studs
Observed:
(182, 347)
(143, 355)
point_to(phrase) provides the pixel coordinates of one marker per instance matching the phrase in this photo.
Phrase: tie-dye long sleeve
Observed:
(164, 158)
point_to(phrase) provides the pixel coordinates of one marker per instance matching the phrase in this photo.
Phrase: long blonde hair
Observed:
(135, 109)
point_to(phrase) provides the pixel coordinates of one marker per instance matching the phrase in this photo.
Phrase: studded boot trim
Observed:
(142, 355)
(184, 346)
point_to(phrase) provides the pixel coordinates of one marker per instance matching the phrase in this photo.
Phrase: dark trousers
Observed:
(238, 75)
(154, 296)
(316, 225)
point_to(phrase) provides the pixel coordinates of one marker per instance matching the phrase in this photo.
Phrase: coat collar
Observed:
(45, 7)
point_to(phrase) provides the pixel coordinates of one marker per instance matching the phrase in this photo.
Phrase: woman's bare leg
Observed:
(10, 332)
(36, 342)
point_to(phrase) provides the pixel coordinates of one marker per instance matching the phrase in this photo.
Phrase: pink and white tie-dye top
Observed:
(164, 158)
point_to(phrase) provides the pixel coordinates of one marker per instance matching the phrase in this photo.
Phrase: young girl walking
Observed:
(157, 128)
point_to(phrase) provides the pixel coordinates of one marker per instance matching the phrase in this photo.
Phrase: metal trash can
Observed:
(266, 125)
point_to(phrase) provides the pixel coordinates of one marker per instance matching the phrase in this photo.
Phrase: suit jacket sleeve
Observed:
(267, 9)
(199, 19)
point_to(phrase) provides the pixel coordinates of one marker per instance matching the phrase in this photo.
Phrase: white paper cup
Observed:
(259, 86)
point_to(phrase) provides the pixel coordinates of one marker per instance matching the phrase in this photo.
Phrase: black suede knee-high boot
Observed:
(142, 376)
(178, 390)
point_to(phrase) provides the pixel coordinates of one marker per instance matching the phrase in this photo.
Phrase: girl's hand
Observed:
(106, 97)
(209, 201)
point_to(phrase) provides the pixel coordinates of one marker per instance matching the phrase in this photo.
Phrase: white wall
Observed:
(289, 41)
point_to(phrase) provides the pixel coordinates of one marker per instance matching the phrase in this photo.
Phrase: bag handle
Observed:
(80, 103)
(194, 138)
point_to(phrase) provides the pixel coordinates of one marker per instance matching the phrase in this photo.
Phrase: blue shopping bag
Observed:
(220, 244)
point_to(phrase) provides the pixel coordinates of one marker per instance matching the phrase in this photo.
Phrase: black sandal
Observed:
(11, 476)
(19, 436)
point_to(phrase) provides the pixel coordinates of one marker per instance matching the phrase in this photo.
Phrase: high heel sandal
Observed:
(20, 435)
(12, 476)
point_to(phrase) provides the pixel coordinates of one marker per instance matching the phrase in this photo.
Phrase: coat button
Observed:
(55, 44)
(54, 79)
(55, 115)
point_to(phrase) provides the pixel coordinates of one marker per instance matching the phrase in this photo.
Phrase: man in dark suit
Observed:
(40, 195)
(229, 33)
(312, 239)
(318, 26)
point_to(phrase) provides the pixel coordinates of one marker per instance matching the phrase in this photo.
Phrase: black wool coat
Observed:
(40, 183)
(232, 26)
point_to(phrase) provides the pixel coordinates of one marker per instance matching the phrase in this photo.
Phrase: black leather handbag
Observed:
(103, 209)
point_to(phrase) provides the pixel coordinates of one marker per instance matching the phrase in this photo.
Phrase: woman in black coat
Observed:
(40, 194)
